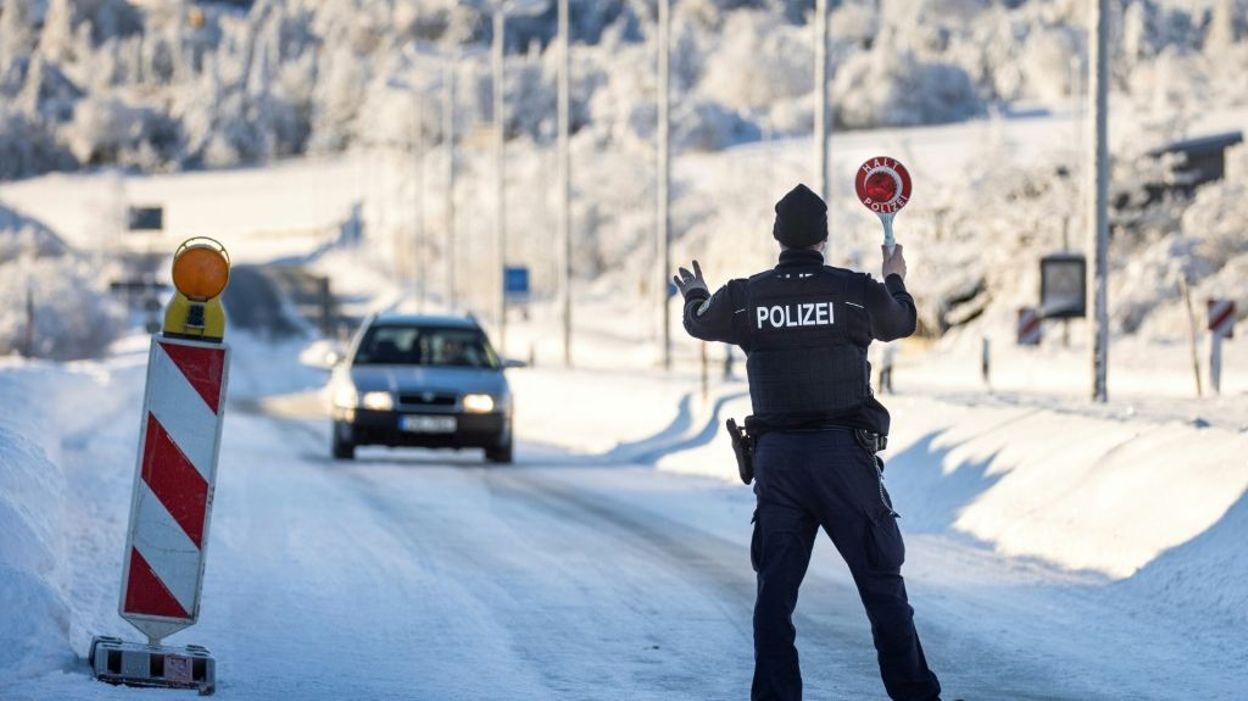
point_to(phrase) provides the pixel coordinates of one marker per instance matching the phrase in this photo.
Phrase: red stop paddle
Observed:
(883, 186)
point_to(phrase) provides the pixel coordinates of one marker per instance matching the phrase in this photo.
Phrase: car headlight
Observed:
(345, 396)
(478, 403)
(377, 401)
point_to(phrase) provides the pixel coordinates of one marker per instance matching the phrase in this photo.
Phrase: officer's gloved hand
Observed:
(688, 282)
(894, 263)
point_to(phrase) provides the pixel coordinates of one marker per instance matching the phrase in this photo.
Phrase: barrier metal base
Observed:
(115, 661)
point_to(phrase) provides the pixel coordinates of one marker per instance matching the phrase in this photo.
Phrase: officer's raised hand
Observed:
(894, 263)
(688, 282)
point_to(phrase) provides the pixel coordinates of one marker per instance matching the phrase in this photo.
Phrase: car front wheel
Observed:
(342, 448)
(501, 454)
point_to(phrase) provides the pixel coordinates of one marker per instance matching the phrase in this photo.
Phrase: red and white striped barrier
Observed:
(1222, 317)
(1029, 333)
(172, 500)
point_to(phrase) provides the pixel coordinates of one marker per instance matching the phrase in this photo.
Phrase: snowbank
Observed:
(1156, 505)
(32, 489)
(67, 442)
(41, 518)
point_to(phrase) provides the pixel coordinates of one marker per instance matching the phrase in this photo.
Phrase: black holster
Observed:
(873, 443)
(743, 449)
(870, 440)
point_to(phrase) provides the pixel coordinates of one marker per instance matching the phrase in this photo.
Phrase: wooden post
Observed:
(886, 370)
(706, 382)
(985, 363)
(1192, 333)
(28, 341)
(325, 301)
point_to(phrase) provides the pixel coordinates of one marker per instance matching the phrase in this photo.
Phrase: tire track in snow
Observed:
(572, 562)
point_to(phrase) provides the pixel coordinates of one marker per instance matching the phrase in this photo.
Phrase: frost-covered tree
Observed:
(183, 84)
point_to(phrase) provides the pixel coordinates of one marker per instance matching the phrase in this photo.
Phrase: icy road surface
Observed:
(415, 576)
(431, 576)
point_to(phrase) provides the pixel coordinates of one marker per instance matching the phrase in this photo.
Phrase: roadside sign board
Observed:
(1222, 317)
(172, 500)
(1064, 286)
(145, 219)
(516, 283)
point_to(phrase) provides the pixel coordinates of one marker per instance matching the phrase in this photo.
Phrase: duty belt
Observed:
(870, 440)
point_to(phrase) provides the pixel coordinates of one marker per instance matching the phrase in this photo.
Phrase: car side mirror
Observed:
(323, 355)
(511, 363)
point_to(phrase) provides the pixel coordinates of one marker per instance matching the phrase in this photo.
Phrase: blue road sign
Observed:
(516, 282)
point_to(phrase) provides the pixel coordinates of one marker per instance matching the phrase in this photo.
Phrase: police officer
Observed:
(805, 328)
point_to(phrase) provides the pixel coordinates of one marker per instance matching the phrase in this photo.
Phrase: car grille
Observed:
(440, 399)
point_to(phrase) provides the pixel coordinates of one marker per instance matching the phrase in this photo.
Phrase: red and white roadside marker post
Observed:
(883, 186)
(1221, 325)
(171, 505)
(1029, 329)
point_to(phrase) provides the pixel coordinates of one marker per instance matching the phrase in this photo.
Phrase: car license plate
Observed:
(427, 424)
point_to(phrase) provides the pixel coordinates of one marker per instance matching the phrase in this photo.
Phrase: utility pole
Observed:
(565, 188)
(448, 137)
(1099, 216)
(418, 230)
(663, 220)
(822, 116)
(500, 187)
(28, 333)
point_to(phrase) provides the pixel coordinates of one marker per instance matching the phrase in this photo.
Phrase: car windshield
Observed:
(426, 345)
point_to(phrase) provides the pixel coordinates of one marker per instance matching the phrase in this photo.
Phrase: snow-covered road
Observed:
(423, 576)
(420, 575)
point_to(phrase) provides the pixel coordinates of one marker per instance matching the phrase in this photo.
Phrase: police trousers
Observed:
(805, 481)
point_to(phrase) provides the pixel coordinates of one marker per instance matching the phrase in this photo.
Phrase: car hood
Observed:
(415, 378)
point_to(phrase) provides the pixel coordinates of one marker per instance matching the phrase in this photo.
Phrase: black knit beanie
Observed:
(801, 218)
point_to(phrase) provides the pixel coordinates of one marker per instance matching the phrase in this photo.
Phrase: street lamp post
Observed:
(500, 187)
(418, 229)
(448, 138)
(565, 188)
(1099, 216)
(663, 239)
(822, 116)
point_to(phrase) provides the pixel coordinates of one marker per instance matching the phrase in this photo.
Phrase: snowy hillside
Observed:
(171, 84)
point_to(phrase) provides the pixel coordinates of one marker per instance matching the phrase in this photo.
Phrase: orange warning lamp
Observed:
(201, 271)
(201, 268)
